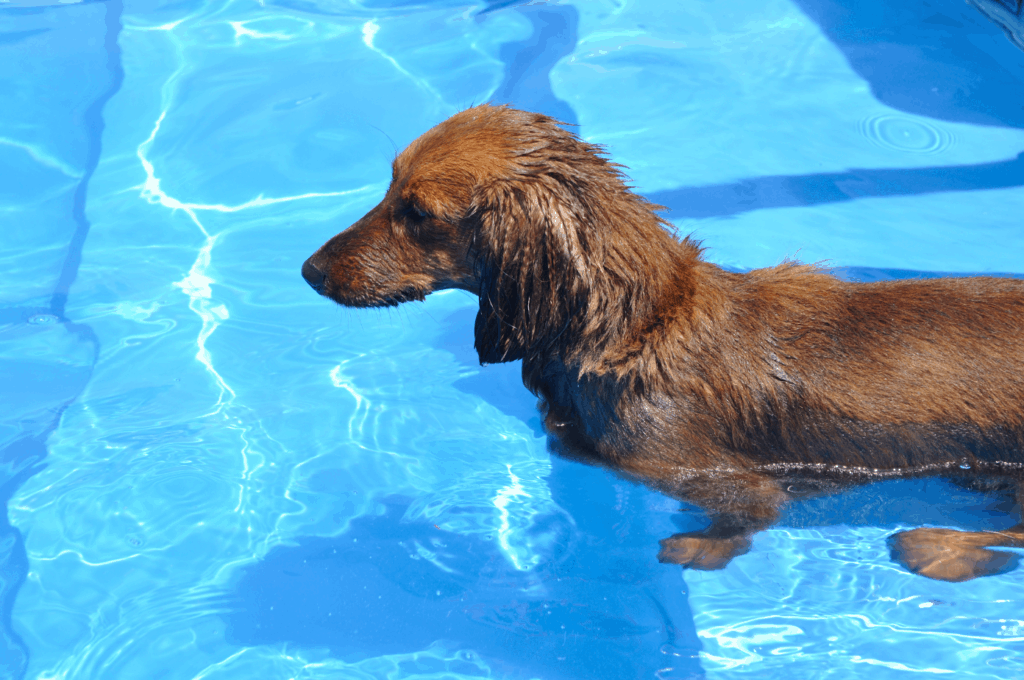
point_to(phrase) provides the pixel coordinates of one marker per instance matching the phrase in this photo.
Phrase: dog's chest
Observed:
(590, 414)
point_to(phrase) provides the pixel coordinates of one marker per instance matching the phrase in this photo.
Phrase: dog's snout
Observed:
(314, 277)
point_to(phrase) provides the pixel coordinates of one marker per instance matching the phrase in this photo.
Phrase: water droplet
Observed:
(43, 319)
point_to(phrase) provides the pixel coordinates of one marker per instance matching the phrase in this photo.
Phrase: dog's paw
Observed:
(702, 552)
(949, 555)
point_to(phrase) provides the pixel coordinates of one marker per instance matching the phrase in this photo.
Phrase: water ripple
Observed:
(911, 135)
(831, 601)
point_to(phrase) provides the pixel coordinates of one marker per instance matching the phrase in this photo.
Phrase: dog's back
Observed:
(789, 365)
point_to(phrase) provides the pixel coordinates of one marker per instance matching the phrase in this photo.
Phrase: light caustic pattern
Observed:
(785, 603)
(42, 158)
(197, 282)
(370, 30)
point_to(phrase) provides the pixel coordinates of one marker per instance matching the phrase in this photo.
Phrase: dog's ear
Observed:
(535, 259)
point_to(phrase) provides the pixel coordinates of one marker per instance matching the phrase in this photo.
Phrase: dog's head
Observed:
(507, 205)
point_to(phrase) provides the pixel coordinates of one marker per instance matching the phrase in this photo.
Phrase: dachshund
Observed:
(735, 392)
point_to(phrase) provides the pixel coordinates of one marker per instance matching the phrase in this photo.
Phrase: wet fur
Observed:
(736, 392)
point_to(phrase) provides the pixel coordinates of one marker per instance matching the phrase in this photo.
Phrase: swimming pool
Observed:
(211, 472)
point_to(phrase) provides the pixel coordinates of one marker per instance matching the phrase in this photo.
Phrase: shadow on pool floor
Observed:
(791, 191)
(602, 609)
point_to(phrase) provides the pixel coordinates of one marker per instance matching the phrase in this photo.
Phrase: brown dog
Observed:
(735, 392)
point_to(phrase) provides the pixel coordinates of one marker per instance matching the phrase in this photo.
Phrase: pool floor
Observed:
(211, 473)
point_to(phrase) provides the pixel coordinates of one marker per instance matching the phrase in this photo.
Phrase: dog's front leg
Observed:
(739, 504)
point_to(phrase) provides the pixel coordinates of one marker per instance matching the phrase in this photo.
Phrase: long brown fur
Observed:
(736, 392)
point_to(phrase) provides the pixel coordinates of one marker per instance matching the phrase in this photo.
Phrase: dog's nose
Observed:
(314, 277)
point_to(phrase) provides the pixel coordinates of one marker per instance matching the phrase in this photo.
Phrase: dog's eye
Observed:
(418, 212)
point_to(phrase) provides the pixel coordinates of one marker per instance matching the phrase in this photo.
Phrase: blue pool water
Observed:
(212, 473)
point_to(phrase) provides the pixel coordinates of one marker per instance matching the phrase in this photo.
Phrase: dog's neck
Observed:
(637, 293)
(632, 300)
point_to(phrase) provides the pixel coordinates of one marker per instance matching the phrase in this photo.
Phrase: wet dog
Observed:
(735, 392)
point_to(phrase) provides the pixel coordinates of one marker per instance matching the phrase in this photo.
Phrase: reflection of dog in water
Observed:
(735, 392)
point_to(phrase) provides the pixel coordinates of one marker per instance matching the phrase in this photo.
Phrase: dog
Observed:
(734, 392)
